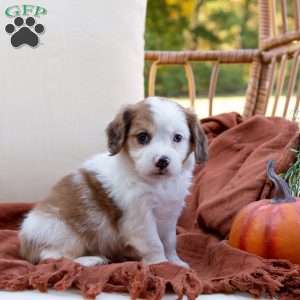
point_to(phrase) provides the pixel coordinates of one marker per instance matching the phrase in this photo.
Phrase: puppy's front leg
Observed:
(142, 235)
(167, 232)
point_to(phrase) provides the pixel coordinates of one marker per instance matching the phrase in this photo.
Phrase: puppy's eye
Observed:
(177, 138)
(143, 138)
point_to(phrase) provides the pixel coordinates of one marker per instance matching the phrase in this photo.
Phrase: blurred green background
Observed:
(201, 25)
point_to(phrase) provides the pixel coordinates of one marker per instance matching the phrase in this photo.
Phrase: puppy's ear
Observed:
(117, 130)
(198, 137)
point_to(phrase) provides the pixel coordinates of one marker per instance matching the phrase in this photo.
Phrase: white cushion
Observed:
(56, 99)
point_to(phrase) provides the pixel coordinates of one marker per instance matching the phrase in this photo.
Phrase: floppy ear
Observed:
(198, 137)
(117, 130)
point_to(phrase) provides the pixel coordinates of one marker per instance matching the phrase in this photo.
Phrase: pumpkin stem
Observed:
(282, 191)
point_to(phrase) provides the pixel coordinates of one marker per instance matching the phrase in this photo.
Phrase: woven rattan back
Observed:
(279, 60)
(274, 65)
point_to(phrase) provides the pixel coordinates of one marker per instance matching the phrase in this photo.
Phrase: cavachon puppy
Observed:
(125, 203)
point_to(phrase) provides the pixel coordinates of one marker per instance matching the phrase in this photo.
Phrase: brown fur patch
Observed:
(123, 130)
(198, 141)
(74, 200)
(117, 131)
(101, 199)
(142, 121)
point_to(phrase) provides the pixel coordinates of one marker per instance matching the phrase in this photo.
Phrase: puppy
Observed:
(124, 203)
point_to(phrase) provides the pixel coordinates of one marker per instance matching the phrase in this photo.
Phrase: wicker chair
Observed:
(269, 63)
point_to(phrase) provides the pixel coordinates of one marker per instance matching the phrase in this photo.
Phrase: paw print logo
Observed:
(24, 33)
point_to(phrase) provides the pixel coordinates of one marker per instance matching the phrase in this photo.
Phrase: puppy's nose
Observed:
(162, 162)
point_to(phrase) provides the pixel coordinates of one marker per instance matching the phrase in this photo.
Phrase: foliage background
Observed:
(201, 25)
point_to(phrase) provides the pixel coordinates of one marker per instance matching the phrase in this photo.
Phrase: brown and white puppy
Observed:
(126, 201)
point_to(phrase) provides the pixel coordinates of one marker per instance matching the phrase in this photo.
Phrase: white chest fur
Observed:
(127, 189)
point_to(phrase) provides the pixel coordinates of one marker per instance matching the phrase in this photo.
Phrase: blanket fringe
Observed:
(274, 278)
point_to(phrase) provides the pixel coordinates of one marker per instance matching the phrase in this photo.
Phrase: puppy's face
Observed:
(159, 136)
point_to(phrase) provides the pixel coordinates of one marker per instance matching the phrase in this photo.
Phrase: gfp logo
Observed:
(25, 30)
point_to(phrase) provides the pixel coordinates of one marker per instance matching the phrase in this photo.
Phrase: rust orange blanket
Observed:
(233, 177)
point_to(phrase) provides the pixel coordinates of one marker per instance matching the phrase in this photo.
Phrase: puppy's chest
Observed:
(164, 197)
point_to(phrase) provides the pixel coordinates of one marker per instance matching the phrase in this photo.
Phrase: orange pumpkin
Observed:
(271, 227)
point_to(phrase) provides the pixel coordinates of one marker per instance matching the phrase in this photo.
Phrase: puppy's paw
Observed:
(89, 261)
(154, 260)
(182, 263)
(179, 262)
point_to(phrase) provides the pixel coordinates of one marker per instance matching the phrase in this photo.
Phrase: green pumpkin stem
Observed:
(282, 191)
